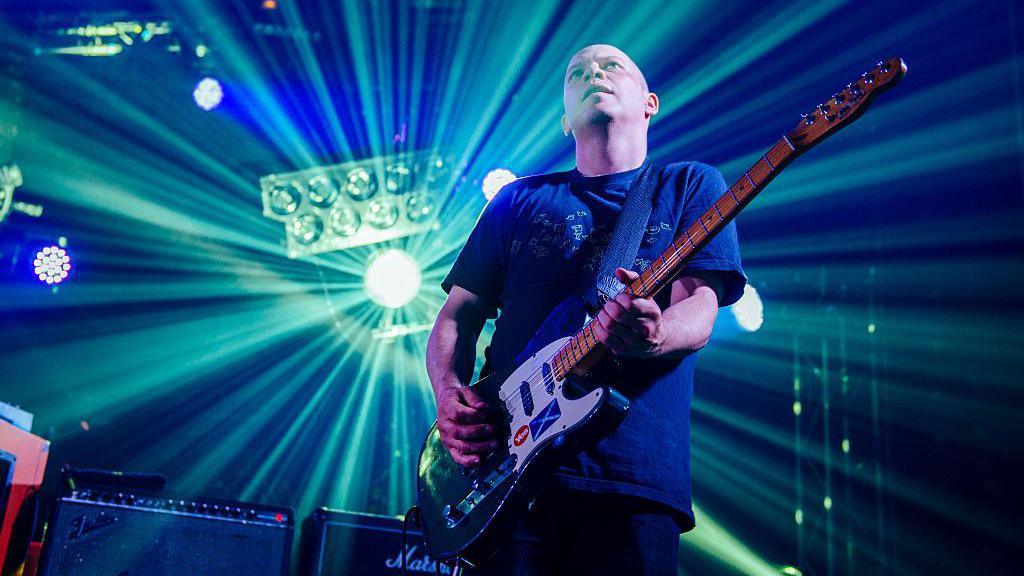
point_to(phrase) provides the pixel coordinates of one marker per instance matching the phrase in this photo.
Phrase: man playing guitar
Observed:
(617, 506)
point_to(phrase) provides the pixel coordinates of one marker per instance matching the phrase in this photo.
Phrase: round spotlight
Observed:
(322, 191)
(360, 184)
(306, 228)
(398, 178)
(284, 199)
(344, 221)
(392, 278)
(749, 310)
(208, 94)
(52, 265)
(495, 179)
(382, 213)
(419, 206)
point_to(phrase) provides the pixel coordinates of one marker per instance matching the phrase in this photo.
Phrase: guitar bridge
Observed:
(482, 487)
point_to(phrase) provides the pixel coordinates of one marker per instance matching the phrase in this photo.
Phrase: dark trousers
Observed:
(569, 532)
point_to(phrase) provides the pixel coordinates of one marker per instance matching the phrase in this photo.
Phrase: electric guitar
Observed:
(549, 397)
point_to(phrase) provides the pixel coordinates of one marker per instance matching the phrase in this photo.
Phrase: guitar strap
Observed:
(625, 241)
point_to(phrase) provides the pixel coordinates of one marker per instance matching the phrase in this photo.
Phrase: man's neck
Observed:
(606, 150)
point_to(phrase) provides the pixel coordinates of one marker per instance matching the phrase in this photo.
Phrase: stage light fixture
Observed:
(398, 178)
(749, 310)
(392, 278)
(208, 93)
(103, 37)
(382, 213)
(307, 228)
(52, 265)
(494, 180)
(419, 206)
(345, 221)
(322, 191)
(284, 199)
(362, 185)
(335, 207)
(10, 178)
(437, 171)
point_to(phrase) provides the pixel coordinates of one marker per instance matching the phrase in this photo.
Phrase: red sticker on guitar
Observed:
(521, 435)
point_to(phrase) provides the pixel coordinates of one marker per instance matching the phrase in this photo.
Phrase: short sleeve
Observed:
(481, 265)
(721, 256)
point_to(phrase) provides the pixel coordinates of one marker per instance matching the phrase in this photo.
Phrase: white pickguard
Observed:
(552, 412)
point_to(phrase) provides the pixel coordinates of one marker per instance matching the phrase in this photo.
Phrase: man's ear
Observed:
(566, 129)
(651, 105)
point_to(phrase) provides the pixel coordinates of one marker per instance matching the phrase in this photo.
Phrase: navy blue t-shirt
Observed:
(536, 243)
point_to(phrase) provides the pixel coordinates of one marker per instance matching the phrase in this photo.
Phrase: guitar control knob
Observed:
(480, 485)
(451, 515)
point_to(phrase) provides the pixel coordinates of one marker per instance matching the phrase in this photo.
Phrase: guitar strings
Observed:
(535, 387)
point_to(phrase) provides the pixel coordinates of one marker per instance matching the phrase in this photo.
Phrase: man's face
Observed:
(602, 84)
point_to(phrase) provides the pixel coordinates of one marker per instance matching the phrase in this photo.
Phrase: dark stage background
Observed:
(871, 426)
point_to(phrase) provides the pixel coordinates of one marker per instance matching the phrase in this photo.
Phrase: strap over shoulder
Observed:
(626, 238)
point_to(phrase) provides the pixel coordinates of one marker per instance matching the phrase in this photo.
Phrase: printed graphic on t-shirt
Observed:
(566, 235)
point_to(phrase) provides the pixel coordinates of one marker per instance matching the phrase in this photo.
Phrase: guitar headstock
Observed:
(846, 105)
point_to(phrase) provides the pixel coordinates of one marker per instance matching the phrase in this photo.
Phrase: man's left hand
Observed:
(629, 326)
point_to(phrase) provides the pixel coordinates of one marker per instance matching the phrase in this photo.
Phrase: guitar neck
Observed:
(583, 349)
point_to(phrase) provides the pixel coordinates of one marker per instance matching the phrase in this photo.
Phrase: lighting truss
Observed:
(10, 178)
(103, 36)
(341, 206)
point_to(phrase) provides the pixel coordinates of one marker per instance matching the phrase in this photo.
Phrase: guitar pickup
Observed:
(549, 378)
(527, 396)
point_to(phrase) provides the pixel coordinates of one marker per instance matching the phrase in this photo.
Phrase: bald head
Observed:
(605, 50)
(603, 85)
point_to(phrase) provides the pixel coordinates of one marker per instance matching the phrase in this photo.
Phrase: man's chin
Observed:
(594, 116)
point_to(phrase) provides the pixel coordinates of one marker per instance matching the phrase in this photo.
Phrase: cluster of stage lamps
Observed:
(52, 265)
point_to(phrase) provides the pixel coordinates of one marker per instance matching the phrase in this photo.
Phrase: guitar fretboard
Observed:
(584, 345)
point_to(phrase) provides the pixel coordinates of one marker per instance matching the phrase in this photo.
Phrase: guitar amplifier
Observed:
(107, 532)
(366, 544)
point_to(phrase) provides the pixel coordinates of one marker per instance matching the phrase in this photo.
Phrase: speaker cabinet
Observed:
(96, 533)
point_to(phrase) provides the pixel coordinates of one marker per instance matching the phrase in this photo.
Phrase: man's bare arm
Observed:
(691, 316)
(637, 327)
(451, 356)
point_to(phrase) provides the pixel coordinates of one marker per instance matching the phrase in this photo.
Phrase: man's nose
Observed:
(593, 71)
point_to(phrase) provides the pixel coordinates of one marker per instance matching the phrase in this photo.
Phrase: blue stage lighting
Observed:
(52, 265)
(392, 278)
(494, 180)
(749, 310)
(208, 93)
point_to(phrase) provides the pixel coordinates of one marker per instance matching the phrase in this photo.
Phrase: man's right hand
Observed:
(462, 422)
